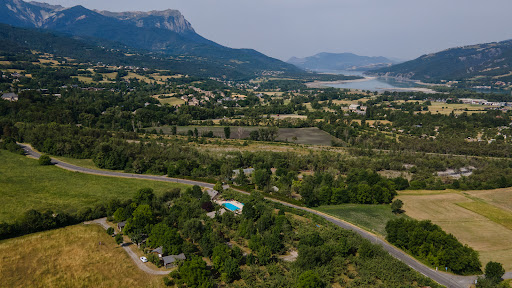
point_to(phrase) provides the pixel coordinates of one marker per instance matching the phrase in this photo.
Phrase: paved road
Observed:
(142, 266)
(442, 278)
(30, 152)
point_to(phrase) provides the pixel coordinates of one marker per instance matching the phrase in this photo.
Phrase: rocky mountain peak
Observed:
(167, 19)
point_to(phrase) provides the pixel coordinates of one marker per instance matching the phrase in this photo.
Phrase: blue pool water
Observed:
(230, 206)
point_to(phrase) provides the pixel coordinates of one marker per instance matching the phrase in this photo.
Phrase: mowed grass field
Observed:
(446, 109)
(70, 257)
(500, 197)
(309, 136)
(173, 101)
(24, 185)
(370, 217)
(473, 221)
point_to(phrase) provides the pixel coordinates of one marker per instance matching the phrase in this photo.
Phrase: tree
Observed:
(254, 135)
(396, 206)
(174, 130)
(231, 270)
(310, 279)
(157, 235)
(218, 187)
(110, 231)
(264, 255)
(144, 196)
(142, 216)
(227, 132)
(241, 179)
(193, 229)
(45, 160)
(494, 271)
(119, 215)
(119, 238)
(261, 178)
(194, 273)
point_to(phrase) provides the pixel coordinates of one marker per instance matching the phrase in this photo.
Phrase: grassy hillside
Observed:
(70, 257)
(25, 185)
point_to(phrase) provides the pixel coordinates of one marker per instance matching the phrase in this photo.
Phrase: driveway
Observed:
(128, 248)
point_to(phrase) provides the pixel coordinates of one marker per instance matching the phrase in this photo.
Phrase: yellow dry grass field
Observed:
(173, 101)
(349, 102)
(288, 116)
(50, 61)
(446, 109)
(445, 209)
(272, 93)
(111, 75)
(5, 62)
(70, 257)
(15, 71)
(164, 78)
(373, 122)
(138, 77)
(495, 214)
(500, 197)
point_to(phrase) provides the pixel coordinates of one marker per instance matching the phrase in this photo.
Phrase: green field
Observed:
(308, 136)
(370, 217)
(25, 185)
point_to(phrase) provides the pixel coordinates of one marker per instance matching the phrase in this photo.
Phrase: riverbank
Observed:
(329, 84)
(372, 84)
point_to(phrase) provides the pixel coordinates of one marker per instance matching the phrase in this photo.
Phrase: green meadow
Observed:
(24, 185)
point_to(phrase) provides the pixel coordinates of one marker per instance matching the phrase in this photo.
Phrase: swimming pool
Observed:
(230, 206)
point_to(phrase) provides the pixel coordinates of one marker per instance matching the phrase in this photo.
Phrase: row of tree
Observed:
(431, 244)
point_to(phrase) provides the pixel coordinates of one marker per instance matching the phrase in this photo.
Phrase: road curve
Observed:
(103, 223)
(442, 278)
(29, 151)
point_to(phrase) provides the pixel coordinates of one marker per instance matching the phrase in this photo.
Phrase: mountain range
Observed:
(490, 60)
(166, 32)
(324, 62)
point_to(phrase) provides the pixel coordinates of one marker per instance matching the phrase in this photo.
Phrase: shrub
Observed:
(168, 282)
(396, 206)
(110, 231)
(45, 160)
(119, 238)
(153, 258)
(494, 271)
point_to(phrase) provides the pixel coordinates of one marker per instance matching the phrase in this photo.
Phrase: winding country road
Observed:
(442, 278)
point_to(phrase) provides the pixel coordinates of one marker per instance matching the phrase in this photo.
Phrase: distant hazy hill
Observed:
(340, 61)
(166, 32)
(491, 59)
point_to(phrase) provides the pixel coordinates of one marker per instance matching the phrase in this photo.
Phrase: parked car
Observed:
(143, 259)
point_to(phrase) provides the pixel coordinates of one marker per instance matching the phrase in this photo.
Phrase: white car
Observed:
(143, 259)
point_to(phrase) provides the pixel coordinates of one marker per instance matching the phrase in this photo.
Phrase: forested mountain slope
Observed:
(488, 60)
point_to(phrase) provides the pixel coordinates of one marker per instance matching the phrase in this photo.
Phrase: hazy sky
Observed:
(283, 28)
